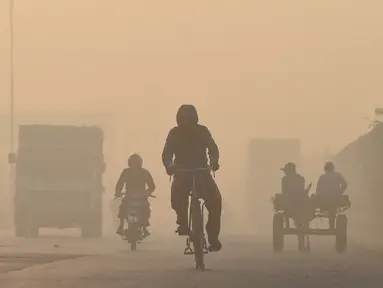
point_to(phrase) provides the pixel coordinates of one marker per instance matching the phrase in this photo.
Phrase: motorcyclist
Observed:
(136, 179)
(293, 190)
(331, 184)
(188, 143)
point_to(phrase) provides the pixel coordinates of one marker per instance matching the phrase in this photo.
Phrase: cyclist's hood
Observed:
(187, 115)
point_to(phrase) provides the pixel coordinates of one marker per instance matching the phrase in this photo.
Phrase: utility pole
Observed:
(11, 155)
(11, 79)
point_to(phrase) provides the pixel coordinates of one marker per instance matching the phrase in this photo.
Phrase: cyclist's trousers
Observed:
(207, 190)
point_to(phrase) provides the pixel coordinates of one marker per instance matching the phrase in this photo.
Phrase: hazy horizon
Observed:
(309, 70)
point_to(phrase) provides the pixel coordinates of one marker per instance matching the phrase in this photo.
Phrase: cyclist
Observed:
(187, 143)
(136, 179)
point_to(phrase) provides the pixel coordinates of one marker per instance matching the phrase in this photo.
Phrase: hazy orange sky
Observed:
(292, 68)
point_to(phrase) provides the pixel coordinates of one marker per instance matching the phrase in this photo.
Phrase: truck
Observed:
(266, 156)
(58, 179)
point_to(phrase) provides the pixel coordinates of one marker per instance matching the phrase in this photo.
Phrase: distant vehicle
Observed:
(59, 179)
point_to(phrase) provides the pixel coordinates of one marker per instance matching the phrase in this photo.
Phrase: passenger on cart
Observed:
(330, 187)
(295, 195)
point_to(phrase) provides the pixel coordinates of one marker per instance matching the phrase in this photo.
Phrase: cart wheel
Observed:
(304, 244)
(341, 234)
(303, 240)
(278, 233)
(308, 244)
(301, 243)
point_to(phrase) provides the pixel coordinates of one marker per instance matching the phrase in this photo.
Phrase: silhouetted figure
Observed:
(331, 185)
(185, 148)
(136, 179)
(294, 192)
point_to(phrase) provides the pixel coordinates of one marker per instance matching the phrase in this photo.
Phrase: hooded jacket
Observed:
(187, 143)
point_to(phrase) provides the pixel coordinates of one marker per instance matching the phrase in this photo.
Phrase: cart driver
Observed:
(293, 189)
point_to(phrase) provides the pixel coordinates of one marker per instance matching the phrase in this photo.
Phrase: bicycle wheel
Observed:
(197, 235)
(133, 246)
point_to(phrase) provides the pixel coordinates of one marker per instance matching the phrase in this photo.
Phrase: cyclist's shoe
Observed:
(146, 232)
(215, 246)
(120, 231)
(183, 230)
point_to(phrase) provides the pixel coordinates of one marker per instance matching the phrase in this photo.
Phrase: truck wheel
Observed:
(304, 244)
(301, 243)
(85, 232)
(278, 233)
(34, 232)
(21, 230)
(341, 234)
(21, 227)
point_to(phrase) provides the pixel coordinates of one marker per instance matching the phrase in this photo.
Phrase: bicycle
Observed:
(196, 223)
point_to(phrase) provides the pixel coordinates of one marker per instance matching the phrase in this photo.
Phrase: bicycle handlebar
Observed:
(124, 194)
(193, 170)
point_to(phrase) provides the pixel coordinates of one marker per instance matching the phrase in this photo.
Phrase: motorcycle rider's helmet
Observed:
(187, 115)
(329, 166)
(135, 161)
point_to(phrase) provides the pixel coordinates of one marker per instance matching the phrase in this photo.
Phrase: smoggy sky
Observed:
(311, 69)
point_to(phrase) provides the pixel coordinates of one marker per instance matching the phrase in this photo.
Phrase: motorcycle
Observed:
(135, 233)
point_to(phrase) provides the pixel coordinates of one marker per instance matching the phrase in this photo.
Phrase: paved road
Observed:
(51, 262)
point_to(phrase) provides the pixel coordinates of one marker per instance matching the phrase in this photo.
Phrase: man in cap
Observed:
(293, 190)
(293, 184)
(185, 148)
